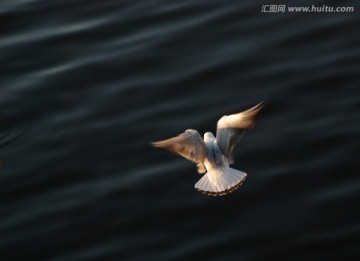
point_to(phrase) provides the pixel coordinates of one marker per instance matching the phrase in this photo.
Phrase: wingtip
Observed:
(158, 144)
(259, 106)
(253, 111)
(153, 143)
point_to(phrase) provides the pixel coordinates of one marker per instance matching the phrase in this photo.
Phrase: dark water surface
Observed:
(85, 85)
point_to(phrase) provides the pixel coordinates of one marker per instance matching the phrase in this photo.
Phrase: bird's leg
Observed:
(201, 168)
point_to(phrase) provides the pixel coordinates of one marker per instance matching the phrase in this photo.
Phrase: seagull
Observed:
(213, 155)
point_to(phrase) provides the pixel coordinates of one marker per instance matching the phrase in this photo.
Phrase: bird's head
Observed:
(208, 136)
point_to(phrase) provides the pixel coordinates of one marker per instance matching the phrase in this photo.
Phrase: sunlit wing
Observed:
(189, 144)
(231, 128)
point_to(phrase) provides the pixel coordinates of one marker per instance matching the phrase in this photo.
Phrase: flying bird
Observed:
(213, 155)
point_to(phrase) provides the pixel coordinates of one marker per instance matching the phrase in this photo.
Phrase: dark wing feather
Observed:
(189, 144)
(231, 128)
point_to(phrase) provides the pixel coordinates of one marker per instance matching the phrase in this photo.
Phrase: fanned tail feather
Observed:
(220, 181)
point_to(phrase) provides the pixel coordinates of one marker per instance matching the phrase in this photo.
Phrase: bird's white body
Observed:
(219, 179)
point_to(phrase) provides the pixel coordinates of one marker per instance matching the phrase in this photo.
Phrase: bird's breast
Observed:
(214, 154)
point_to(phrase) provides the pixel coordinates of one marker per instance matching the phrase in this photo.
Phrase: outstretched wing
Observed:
(189, 144)
(231, 128)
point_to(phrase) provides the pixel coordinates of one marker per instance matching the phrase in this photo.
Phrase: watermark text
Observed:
(306, 9)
